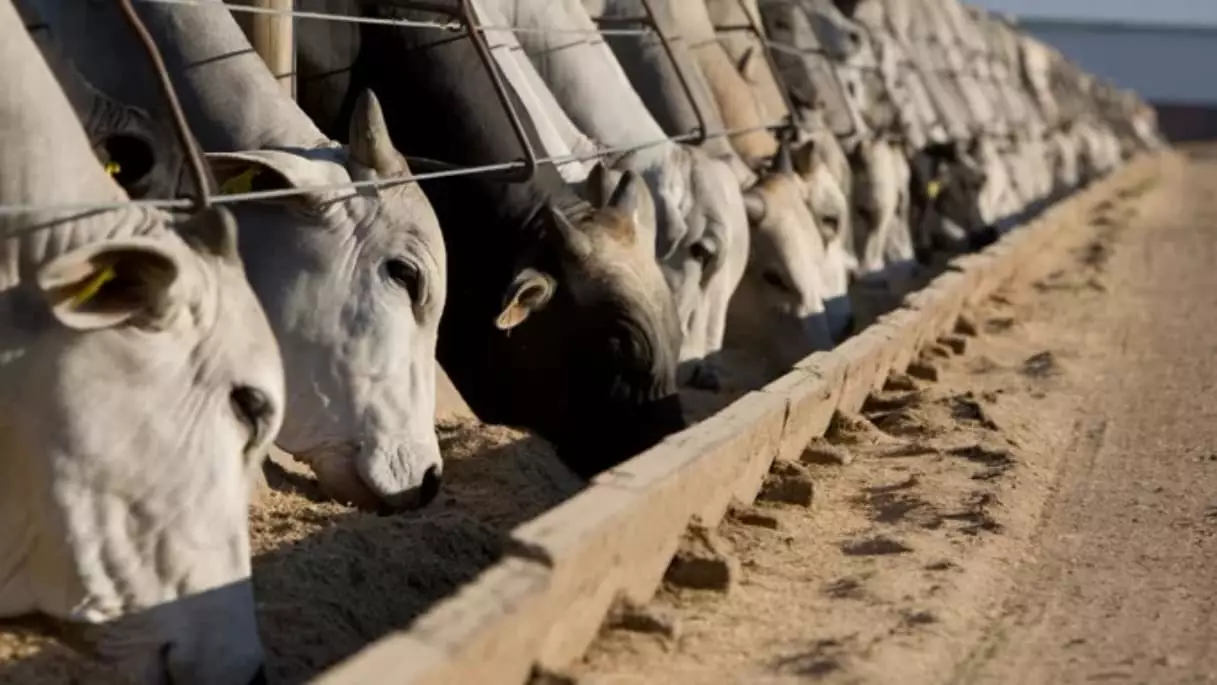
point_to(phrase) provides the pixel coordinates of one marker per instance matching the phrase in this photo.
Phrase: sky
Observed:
(1170, 11)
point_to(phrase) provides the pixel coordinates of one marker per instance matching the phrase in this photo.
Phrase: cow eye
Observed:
(775, 280)
(252, 408)
(832, 223)
(405, 275)
(702, 252)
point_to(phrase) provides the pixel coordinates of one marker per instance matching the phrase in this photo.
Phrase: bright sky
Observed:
(1170, 11)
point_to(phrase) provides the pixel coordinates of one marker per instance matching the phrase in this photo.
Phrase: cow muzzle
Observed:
(387, 478)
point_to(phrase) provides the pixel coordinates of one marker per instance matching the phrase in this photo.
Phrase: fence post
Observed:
(272, 38)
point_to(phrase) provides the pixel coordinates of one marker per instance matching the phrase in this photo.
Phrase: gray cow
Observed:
(353, 282)
(140, 386)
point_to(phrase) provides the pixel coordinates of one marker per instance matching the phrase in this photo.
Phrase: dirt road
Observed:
(1046, 512)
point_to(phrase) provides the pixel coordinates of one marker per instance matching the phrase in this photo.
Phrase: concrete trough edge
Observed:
(544, 603)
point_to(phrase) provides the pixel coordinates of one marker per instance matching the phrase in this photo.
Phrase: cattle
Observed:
(815, 156)
(784, 276)
(141, 152)
(141, 386)
(354, 281)
(880, 244)
(559, 319)
(559, 137)
(701, 234)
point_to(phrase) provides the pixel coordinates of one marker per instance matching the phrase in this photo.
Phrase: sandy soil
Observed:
(1043, 513)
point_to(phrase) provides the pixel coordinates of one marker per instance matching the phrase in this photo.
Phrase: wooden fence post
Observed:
(272, 38)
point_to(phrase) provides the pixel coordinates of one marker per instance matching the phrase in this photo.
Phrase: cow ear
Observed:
(261, 170)
(110, 283)
(529, 292)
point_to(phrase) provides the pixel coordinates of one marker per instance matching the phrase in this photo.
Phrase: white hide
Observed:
(135, 413)
(354, 283)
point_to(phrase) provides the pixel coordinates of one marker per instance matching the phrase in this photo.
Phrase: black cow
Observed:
(558, 317)
(945, 193)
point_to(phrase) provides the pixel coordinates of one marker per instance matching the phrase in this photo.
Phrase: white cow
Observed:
(140, 386)
(354, 282)
(784, 312)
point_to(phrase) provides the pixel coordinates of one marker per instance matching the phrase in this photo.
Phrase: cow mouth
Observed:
(334, 466)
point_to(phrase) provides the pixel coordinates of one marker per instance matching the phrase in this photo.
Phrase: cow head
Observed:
(946, 192)
(136, 417)
(778, 308)
(354, 282)
(701, 247)
(589, 332)
(829, 203)
(837, 33)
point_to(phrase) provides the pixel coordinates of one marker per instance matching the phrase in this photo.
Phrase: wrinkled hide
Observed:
(353, 282)
(141, 386)
(559, 319)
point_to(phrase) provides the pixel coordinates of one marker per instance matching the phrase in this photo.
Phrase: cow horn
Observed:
(784, 163)
(599, 185)
(574, 239)
(625, 196)
(371, 145)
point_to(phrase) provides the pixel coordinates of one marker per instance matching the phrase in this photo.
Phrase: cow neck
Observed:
(230, 96)
(48, 161)
(590, 82)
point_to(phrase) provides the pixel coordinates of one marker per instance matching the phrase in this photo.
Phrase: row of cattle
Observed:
(720, 178)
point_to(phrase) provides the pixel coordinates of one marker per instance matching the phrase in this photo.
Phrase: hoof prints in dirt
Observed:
(919, 416)
(1042, 365)
(821, 659)
(892, 503)
(876, 546)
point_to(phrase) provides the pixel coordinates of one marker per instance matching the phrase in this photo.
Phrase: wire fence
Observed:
(452, 26)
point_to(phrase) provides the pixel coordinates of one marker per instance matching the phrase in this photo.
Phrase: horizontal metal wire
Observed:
(411, 23)
(263, 195)
(558, 160)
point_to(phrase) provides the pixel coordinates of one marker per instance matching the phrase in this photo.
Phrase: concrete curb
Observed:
(545, 602)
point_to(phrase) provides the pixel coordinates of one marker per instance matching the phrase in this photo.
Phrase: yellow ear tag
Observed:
(934, 189)
(241, 183)
(94, 285)
(113, 168)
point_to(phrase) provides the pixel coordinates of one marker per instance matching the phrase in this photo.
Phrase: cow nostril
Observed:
(259, 677)
(430, 487)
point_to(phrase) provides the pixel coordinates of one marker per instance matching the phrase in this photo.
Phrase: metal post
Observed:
(272, 38)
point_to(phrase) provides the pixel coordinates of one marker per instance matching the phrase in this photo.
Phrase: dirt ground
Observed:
(1046, 512)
